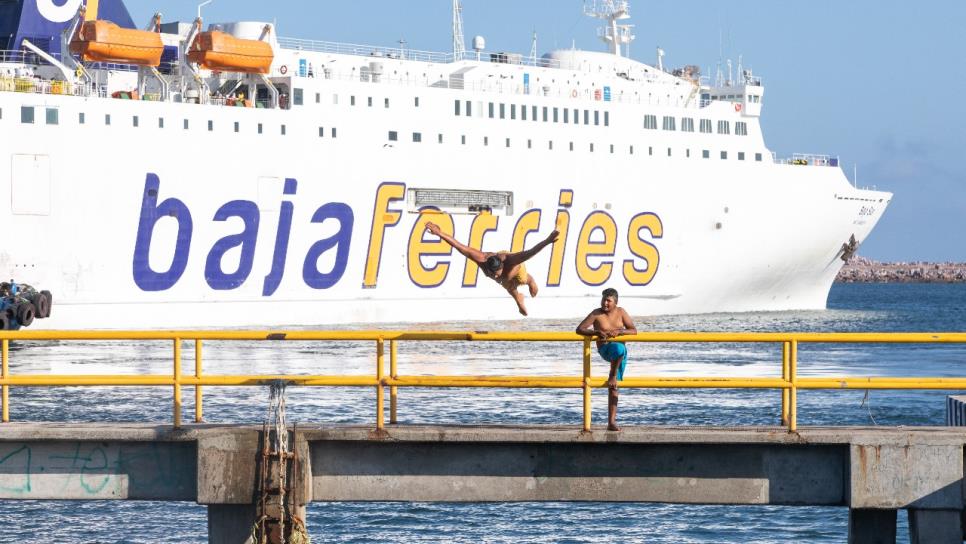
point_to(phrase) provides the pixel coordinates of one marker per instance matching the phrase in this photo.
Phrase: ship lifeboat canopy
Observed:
(216, 50)
(104, 41)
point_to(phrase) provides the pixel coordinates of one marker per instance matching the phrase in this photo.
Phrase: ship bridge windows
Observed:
(706, 126)
(687, 124)
(724, 127)
(669, 123)
(27, 115)
(650, 122)
(741, 128)
(53, 116)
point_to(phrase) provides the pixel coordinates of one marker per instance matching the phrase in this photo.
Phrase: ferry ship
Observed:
(187, 174)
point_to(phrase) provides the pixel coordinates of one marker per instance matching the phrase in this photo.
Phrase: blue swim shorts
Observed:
(614, 351)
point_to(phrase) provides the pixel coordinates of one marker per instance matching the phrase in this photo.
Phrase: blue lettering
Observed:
(274, 277)
(342, 240)
(144, 277)
(215, 275)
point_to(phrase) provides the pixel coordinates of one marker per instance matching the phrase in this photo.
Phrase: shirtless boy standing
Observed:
(606, 322)
(505, 268)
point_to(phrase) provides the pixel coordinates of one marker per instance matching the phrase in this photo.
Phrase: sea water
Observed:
(854, 307)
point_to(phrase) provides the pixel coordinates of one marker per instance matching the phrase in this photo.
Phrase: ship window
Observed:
(211, 126)
(186, 124)
(417, 137)
(551, 145)
(135, 121)
(757, 157)
(724, 155)
(298, 97)
(571, 146)
(523, 113)
(650, 151)
(513, 112)
(687, 124)
(706, 126)
(508, 142)
(486, 140)
(386, 103)
(469, 108)
(318, 98)
(741, 155)
(456, 108)
(556, 115)
(546, 114)
(237, 126)
(669, 152)
(606, 118)
(566, 115)
(724, 127)
(1, 114)
(352, 100)
(160, 122)
(502, 111)
(107, 119)
(81, 118)
(53, 116)
(705, 154)
(591, 148)
(533, 110)
(27, 115)
(369, 101)
(612, 149)
(741, 128)
(596, 118)
(393, 135)
(463, 139)
(334, 133)
(687, 153)
(259, 128)
(439, 138)
(529, 143)
(416, 101)
(632, 150)
(650, 122)
(492, 110)
(283, 130)
(669, 123)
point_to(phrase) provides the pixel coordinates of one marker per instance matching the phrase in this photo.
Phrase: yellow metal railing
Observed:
(789, 383)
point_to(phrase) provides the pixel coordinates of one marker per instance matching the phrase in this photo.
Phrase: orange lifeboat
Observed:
(222, 52)
(104, 41)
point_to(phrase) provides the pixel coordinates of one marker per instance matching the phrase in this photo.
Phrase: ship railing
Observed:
(807, 159)
(785, 377)
(54, 87)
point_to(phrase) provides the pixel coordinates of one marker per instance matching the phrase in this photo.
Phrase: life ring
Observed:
(738, 108)
(573, 93)
(283, 70)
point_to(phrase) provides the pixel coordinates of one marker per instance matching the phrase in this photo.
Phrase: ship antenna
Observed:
(203, 4)
(459, 47)
(611, 11)
(533, 48)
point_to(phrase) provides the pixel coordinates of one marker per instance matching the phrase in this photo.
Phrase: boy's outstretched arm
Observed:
(470, 253)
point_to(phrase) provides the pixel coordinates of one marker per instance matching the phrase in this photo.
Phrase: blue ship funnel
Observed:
(42, 21)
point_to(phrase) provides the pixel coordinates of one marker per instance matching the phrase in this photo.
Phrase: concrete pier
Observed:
(872, 471)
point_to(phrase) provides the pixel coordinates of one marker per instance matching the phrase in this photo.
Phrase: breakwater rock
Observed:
(863, 270)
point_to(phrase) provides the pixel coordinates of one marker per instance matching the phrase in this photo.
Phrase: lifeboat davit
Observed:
(225, 53)
(104, 41)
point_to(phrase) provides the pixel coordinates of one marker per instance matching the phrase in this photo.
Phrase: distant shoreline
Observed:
(862, 270)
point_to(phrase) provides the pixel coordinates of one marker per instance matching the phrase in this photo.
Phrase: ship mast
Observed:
(459, 49)
(611, 11)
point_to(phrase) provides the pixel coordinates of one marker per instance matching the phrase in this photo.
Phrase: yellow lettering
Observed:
(382, 217)
(482, 224)
(559, 249)
(529, 222)
(419, 248)
(646, 251)
(587, 248)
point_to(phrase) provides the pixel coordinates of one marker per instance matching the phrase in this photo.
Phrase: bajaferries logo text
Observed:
(148, 279)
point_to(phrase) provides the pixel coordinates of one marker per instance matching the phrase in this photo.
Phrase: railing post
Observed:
(380, 393)
(393, 373)
(5, 373)
(587, 414)
(177, 383)
(786, 348)
(793, 392)
(198, 400)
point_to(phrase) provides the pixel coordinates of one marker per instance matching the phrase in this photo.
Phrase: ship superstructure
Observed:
(192, 175)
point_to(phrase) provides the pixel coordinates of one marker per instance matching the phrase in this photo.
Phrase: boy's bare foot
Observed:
(533, 289)
(523, 311)
(613, 427)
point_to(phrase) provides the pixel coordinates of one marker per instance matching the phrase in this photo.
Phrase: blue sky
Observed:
(876, 82)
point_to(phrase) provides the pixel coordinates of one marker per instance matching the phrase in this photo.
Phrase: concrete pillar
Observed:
(230, 523)
(872, 526)
(935, 527)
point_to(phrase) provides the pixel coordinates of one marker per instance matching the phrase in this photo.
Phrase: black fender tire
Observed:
(42, 303)
(26, 314)
(4, 321)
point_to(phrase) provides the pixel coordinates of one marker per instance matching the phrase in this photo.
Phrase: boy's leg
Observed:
(532, 284)
(518, 297)
(612, 397)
